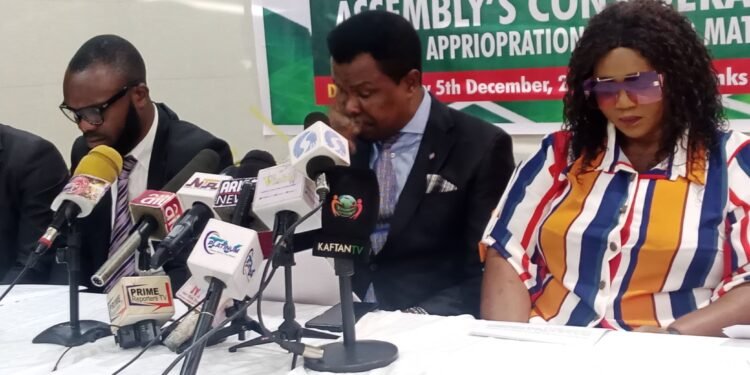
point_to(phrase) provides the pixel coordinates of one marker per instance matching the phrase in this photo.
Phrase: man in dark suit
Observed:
(32, 173)
(106, 95)
(440, 171)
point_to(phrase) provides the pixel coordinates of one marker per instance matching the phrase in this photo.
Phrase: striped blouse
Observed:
(613, 248)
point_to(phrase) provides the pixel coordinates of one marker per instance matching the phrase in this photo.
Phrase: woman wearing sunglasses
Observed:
(636, 215)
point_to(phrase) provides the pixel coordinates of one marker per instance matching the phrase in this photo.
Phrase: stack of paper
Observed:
(539, 333)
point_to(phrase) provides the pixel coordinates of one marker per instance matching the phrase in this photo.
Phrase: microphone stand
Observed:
(213, 297)
(351, 355)
(75, 332)
(290, 329)
(242, 323)
(238, 326)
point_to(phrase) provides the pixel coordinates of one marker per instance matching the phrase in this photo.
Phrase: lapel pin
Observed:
(432, 156)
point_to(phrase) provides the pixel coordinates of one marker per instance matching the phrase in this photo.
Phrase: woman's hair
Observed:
(667, 40)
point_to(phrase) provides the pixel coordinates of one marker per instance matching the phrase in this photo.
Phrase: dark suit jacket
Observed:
(32, 173)
(176, 143)
(430, 258)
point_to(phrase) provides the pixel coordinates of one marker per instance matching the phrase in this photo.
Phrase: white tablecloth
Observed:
(427, 345)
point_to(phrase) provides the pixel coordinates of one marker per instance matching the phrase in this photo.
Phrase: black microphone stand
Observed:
(75, 332)
(351, 355)
(238, 326)
(242, 323)
(290, 329)
(213, 297)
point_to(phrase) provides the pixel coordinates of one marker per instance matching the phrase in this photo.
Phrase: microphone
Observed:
(138, 306)
(317, 149)
(91, 180)
(314, 117)
(227, 201)
(349, 216)
(156, 213)
(283, 188)
(226, 256)
(198, 194)
(251, 163)
(232, 201)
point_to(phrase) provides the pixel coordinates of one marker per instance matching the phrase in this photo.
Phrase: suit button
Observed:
(602, 284)
(613, 246)
(373, 267)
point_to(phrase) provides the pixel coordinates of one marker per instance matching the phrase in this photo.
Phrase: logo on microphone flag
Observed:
(142, 295)
(214, 243)
(248, 268)
(305, 143)
(346, 206)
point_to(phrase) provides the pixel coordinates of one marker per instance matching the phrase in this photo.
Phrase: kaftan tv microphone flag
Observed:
(349, 214)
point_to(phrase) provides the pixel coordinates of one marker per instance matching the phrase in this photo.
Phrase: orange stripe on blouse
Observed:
(657, 252)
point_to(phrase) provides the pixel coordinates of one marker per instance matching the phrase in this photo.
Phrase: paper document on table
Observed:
(738, 331)
(539, 333)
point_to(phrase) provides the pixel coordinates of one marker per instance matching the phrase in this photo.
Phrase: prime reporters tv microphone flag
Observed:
(155, 214)
(138, 306)
(91, 180)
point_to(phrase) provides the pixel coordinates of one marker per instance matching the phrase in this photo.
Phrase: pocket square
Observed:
(437, 184)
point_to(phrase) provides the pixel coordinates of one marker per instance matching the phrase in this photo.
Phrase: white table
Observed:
(427, 345)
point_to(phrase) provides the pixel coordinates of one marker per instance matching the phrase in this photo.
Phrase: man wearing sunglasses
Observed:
(106, 96)
(32, 173)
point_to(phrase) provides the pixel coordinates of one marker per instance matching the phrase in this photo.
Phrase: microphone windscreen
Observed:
(102, 162)
(254, 161)
(314, 117)
(206, 161)
(318, 164)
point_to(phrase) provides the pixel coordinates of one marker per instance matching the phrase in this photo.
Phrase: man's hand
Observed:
(344, 125)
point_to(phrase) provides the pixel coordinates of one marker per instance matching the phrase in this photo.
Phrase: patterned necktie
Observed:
(387, 183)
(123, 223)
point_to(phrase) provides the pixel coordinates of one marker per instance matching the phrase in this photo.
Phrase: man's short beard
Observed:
(131, 133)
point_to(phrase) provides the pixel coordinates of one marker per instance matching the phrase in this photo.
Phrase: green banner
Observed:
(501, 60)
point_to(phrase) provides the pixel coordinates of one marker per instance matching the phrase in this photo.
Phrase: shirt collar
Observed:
(418, 122)
(146, 145)
(678, 165)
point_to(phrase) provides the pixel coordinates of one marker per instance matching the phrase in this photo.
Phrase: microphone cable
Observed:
(294, 347)
(158, 338)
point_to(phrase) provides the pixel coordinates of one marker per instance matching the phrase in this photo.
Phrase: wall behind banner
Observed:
(199, 55)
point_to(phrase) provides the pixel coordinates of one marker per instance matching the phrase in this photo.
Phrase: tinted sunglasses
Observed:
(641, 88)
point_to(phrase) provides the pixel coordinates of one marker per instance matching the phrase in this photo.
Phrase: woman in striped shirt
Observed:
(636, 215)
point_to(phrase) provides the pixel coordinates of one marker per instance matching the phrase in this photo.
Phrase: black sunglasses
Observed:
(94, 114)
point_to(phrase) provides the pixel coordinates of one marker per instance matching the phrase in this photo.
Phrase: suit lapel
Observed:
(433, 152)
(361, 158)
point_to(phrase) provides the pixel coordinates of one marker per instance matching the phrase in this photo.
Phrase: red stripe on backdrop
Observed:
(527, 83)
